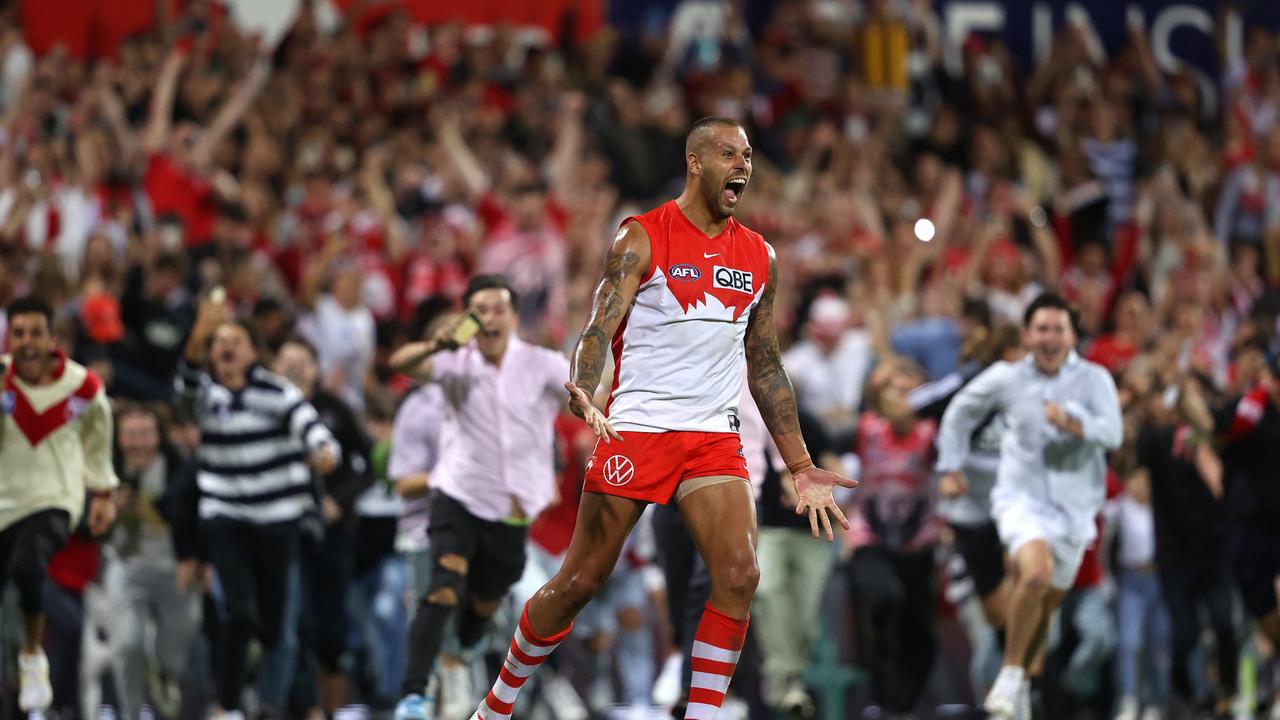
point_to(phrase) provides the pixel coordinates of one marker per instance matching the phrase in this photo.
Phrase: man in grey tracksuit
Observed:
(1062, 415)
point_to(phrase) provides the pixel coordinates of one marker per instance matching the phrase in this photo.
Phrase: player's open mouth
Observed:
(733, 190)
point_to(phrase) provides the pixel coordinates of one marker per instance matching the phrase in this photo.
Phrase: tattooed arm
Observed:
(768, 380)
(627, 262)
(772, 391)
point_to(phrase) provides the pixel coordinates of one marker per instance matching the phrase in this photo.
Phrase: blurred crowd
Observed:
(344, 186)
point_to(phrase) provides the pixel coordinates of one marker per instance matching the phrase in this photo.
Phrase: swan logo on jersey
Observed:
(75, 407)
(618, 471)
(685, 272)
(731, 279)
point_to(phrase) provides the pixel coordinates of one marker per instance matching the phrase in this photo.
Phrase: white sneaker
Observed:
(457, 691)
(796, 700)
(563, 699)
(735, 708)
(600, 694)
(1152, 713)
(639, 711)
(1129, 708)
(36, 693)
(1024, 700)
(666, 688)
(229, 715)
(1002, 701)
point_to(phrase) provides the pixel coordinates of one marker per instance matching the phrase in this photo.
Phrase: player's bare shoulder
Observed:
(771, 270)
(630, 252)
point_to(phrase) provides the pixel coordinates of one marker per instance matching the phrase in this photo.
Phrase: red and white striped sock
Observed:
(527, 653)
(716, 647)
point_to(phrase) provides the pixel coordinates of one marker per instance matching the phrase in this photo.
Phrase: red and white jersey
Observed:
(679, 362)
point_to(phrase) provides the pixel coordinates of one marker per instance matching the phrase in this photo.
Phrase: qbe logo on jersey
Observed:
(731, 279)
(618, 470)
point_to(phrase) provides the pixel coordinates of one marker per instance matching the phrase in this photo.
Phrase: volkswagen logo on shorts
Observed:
(618, 470)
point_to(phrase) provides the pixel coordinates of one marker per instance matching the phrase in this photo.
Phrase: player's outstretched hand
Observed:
(581, 405)
(813, 487)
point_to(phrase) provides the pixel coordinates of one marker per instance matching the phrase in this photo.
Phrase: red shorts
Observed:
(650, 466)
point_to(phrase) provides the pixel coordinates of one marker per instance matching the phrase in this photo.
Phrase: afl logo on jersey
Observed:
(685, 272)
(9, 402)
(618, 471)
(730, 279)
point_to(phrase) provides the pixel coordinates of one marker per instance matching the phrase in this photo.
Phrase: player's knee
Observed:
(578, 588)
(740, 576)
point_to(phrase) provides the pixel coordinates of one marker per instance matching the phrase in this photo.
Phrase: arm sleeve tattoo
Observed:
(623, 268)
(770, 386)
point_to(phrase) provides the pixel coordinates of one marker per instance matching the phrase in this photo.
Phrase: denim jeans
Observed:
(1092, 625)
(380, 624)
(1144, 644)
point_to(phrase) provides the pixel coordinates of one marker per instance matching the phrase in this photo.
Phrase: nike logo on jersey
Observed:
(727, 287)
(707, 255)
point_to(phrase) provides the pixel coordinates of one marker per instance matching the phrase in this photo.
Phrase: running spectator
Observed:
(257, 437)
(154, 578)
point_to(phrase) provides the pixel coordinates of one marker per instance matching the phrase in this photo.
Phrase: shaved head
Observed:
(701, 131)
(717, 158)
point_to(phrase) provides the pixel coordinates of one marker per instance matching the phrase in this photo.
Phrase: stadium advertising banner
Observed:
(1178, 32)
(95, 28)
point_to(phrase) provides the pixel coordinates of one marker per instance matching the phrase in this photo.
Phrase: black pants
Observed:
(688, 582)
(495, 555)
(25, 550)
(63, 635)
(1186, 589)
(326, 575)
(894, 612)
(983, 555)
(253, 564)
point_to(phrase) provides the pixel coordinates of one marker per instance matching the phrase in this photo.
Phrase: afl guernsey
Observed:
(679, 361)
